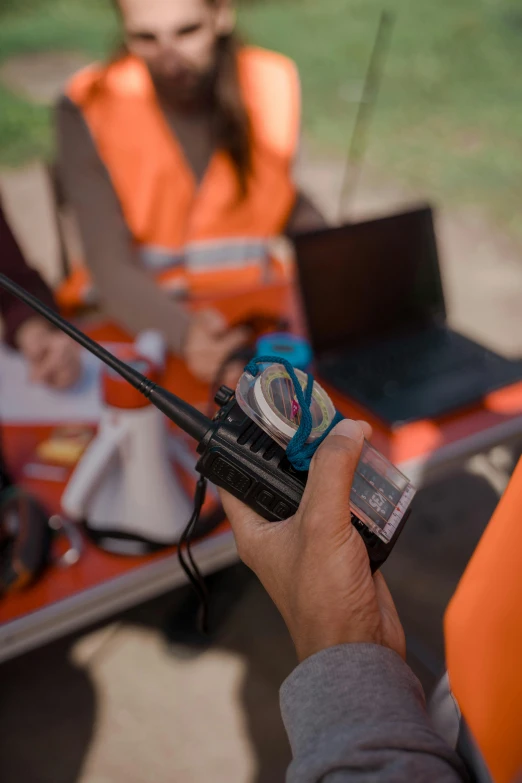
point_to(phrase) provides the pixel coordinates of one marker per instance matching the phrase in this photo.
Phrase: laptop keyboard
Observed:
(421, 360)
(412, 361)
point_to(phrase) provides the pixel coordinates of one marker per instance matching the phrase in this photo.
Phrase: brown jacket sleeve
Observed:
(127, 293)
(13, 265)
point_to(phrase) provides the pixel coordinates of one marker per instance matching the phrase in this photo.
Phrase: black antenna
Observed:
(365, 108)
(180, 412)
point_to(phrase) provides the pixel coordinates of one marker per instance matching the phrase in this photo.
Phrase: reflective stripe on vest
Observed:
(206, 256)
(483, 634)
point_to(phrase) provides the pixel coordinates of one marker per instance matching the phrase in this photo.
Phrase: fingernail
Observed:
(349, 429)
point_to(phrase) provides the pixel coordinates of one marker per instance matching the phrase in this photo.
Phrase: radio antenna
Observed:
(358, 141)
(177, 410)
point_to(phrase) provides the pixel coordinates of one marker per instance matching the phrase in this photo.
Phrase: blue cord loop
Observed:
(298, 451)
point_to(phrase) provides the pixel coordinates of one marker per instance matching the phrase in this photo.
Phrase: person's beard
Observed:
(188, 90)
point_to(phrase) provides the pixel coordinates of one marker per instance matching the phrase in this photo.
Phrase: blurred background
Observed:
(447, 119)
(119, 701)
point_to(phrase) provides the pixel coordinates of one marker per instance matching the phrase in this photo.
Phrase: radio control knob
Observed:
(223, 396)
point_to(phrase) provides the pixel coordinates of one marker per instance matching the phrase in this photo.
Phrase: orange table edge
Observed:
(65, 599)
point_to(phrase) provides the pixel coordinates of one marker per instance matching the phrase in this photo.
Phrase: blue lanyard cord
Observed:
(298, 451)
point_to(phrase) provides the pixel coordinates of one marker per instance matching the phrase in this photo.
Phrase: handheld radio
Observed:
(239, 449)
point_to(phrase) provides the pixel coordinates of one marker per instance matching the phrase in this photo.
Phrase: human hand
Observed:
(209, 342)
(315, 566)
(54, 359)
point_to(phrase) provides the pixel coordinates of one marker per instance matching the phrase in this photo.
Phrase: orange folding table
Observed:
(99, 584)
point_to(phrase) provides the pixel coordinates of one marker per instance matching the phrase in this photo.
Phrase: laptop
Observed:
(374, 303)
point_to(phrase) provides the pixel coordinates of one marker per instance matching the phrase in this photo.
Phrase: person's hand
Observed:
(315, 565)
(54, 359)
(209, 342)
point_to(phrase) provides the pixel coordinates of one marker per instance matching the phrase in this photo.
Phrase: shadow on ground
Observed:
(47, 717)
(48, 706)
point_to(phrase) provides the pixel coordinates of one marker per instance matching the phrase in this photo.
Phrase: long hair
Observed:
(231, 122)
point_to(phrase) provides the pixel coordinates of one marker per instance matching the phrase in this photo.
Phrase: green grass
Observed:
(449, 116)
(42, 26)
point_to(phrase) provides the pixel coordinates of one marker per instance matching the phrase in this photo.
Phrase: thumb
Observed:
(332, 471)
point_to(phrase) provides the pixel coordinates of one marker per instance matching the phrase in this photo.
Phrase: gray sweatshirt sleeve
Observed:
(357, 713)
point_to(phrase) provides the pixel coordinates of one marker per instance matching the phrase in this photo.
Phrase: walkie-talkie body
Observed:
(240, 457)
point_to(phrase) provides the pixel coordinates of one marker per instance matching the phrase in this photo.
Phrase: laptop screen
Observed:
(369, 280)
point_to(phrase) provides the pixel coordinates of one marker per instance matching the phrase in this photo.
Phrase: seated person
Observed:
(53, 358)
(176, 158)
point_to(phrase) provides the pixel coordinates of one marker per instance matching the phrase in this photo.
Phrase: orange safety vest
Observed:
(483, 632)
(195, 239)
